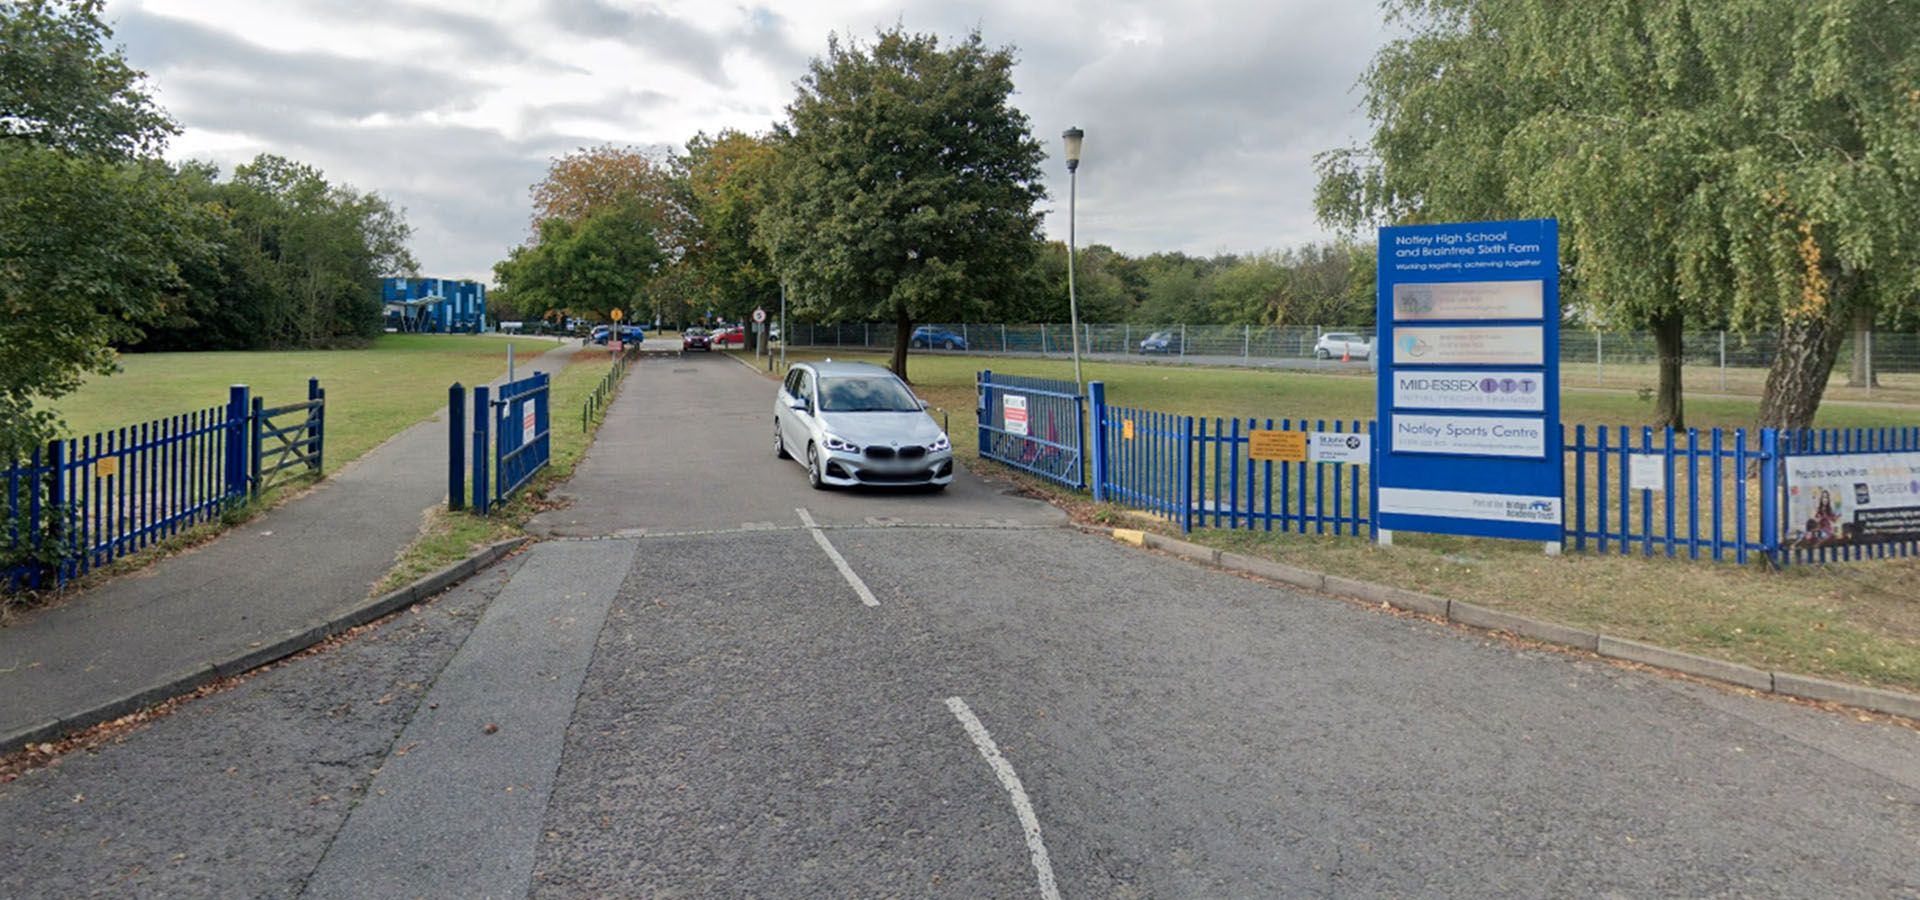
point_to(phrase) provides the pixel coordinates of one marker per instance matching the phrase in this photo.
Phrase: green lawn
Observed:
(372, 394)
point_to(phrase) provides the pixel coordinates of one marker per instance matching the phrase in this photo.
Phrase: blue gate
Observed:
(511, 440)
(1037, 425)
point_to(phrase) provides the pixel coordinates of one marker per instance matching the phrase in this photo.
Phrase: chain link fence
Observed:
(1716, 361)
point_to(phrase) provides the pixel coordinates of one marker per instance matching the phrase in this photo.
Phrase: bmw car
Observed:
(858, 424)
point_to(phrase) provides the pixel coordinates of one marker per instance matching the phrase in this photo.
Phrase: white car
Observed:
(856, 423)
(1343, 344)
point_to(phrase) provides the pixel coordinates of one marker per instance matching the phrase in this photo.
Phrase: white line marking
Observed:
(839, 562)
(1042, 866)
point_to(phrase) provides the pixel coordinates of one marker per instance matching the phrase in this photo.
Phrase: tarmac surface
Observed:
(688, 697)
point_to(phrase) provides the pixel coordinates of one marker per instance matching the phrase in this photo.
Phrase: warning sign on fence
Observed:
(1126, 429)
(1014, 411)
(526, 422)
(1277, 446)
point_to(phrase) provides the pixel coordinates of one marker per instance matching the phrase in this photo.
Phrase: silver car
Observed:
(855, 423)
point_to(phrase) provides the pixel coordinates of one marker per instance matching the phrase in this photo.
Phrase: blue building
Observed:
(434, 305)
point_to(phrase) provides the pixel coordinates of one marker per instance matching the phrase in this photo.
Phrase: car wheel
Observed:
(917, 344)
(951, 344)
(779, 443)
(813, 468)
(1321, 353)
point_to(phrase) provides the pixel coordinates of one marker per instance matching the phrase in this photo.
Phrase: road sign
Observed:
(759, 316)
(1469, 383)
(618, 315)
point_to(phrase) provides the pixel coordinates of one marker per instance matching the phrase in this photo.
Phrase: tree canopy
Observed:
(908, 183)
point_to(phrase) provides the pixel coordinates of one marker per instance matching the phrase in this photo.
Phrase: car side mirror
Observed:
(924, 405)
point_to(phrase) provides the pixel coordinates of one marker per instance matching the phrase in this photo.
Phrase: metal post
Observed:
(482, 413)
(316, 423)
(1186, 472)
(510, 357)
(1770, 491)
(238, 402)
(1183, 340)
(1073, 298)
(253, 462)
(1126, 339)
(1003, 337)
(984, 412)
(1246, 344)
(1723, 361)
(456, 453)
(1869, 337)
(1097, 398)
(785, 329)
(1599, 360)
(1043, 338)
(57, 519)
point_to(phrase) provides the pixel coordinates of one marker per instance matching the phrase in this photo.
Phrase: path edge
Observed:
(1457, 612)
(287, 644)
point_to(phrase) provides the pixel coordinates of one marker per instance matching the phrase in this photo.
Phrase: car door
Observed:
(790, 427)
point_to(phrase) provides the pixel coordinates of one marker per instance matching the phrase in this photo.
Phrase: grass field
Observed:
(1856, 622)
(372, 394)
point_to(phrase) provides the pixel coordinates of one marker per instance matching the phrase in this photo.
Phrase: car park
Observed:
(858, 424)
(1161, 342)
(695, 339)
(935, 336)
(1343, 344)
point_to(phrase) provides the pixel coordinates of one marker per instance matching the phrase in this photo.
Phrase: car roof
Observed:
(830, 369)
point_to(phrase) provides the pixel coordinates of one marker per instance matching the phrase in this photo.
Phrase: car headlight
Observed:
(834, 443)
(939, 445)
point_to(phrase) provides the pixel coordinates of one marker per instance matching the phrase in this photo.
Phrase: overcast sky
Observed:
(1201, 117)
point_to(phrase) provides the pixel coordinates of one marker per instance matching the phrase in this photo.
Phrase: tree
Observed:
(908, 183)
(1701, 164)
(586, 268)
(90, 237)
(729, 183)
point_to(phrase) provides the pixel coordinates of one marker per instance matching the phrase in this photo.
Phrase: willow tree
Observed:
(907, 183)
(1743, 159)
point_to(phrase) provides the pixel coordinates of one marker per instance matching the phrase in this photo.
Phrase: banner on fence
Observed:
(1470, 323)
(1855, 498)
(1014, 412)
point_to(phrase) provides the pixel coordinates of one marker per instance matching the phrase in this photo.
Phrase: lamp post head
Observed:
(1073, 135)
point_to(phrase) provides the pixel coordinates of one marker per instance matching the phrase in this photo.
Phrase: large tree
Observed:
(908, 183)
(90, 233)
(728, 182)
(607, 223)
(1706, 158)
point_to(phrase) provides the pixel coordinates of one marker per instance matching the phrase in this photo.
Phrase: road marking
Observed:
(1036, 848)
(839, 562)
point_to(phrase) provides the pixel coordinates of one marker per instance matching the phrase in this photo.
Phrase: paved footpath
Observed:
(722, 683)
(295, 565)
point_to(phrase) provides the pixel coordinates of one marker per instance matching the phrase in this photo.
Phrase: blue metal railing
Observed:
(82, 503)
(1037, 425)
(1670, 493)
(511, 441)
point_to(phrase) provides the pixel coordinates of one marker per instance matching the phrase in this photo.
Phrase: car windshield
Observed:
(866, 393)
(1160, 336)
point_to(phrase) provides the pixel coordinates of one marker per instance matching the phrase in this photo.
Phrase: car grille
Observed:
(916, 476)
(879, 452)
(912, 452)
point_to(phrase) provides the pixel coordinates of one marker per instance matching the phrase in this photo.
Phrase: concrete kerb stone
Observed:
(1878, 700)
(1686, 663)
(1875, 699)
(189, 680)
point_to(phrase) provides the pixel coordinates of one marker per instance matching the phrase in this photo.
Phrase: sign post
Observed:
(1469, 384)
(613, 333)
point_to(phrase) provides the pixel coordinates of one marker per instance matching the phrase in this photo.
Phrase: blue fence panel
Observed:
(1662, 492)
(522, 444)
(1048, 442)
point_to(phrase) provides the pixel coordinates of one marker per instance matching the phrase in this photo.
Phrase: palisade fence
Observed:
(1715, 361)
(82, 503)
(512, 440)
(1719, 494)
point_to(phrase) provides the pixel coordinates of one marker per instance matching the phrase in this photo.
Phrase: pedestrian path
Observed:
(313, 556)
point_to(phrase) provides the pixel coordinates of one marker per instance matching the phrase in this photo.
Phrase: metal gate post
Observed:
(984, 413)
(482, 414)
(56, 529)
(456, 451)
(317, 422)
(238, 402)
(1186, 473)
(1097, 397)
(1770, 494)
(256, 423)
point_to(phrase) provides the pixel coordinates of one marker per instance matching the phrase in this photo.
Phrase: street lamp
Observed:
(1073, 136)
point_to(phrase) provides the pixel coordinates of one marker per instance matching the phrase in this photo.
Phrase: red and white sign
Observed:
(1014, 411)
(759, 316)
(526, 422)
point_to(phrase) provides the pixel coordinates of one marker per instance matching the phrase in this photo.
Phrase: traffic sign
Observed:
(618, 315)
(759, 316)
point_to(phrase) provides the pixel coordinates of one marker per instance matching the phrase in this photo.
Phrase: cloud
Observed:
(647, 29)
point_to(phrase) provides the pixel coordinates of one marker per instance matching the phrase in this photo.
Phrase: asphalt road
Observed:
(691, 698)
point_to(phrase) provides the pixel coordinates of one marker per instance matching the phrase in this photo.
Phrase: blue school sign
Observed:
(1469, 390)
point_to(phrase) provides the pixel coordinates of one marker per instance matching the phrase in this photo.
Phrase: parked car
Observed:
(695, 339)
(1343, 344)
(632, 334)
(1161, 342)
(935, 336)
(729, 334)
(856, 423)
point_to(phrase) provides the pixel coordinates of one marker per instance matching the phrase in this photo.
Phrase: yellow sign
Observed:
(1126, 429)
(618, 315)
(106, 467)
(1277, 446)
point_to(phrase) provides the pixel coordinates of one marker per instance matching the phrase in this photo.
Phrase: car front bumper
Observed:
(844, 469)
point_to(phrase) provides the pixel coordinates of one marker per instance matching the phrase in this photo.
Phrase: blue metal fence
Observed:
(1673, 493)
(511, 442)
(1037, 425)
(81, 503)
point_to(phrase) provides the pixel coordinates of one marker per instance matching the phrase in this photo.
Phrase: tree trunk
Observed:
(902, 333)
(1801, 366)
(1862, 337)
(1668, 339)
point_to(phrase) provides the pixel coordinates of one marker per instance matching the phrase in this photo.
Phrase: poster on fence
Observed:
(1014, 413)
(1855, 498)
